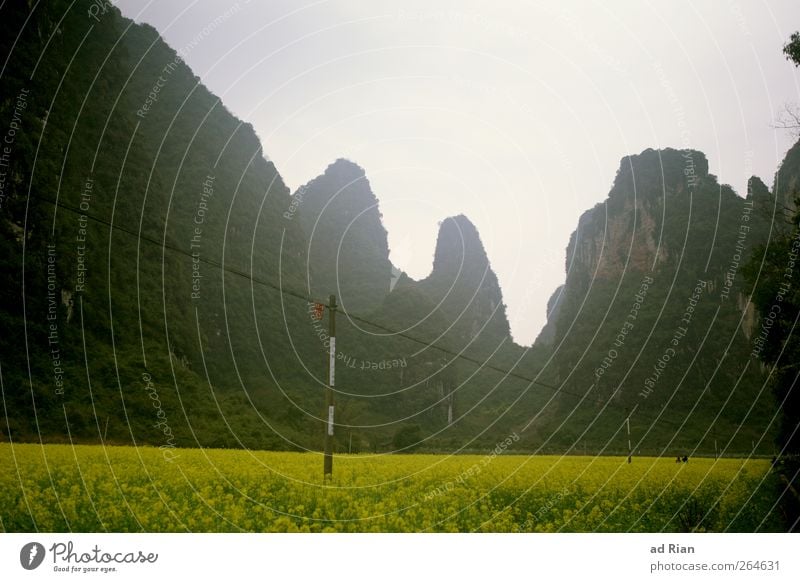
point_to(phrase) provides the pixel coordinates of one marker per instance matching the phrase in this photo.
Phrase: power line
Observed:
(301, 296)
(308, 299)
(180, 251)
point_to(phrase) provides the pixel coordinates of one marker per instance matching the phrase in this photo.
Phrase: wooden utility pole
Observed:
(329, 402)
(628, 425)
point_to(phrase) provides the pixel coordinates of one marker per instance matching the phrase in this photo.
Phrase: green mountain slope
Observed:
(348, 252)
(118, 131)
(654, 316)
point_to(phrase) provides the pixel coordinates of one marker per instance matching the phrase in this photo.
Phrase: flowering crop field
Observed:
(57, 488)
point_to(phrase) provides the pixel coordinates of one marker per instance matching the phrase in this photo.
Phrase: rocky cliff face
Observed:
(787, 179)
(624, 233)
(606, 246)
(665, 215)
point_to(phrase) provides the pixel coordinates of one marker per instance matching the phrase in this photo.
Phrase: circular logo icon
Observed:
(31, 555)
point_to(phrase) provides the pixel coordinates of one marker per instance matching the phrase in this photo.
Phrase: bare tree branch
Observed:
(789, 119)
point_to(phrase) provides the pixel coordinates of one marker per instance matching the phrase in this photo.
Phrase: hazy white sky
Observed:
(515, 114)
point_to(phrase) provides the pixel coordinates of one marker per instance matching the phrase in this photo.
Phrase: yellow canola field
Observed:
(56, 488)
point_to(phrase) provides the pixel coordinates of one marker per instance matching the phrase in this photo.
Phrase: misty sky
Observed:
(516, 116)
